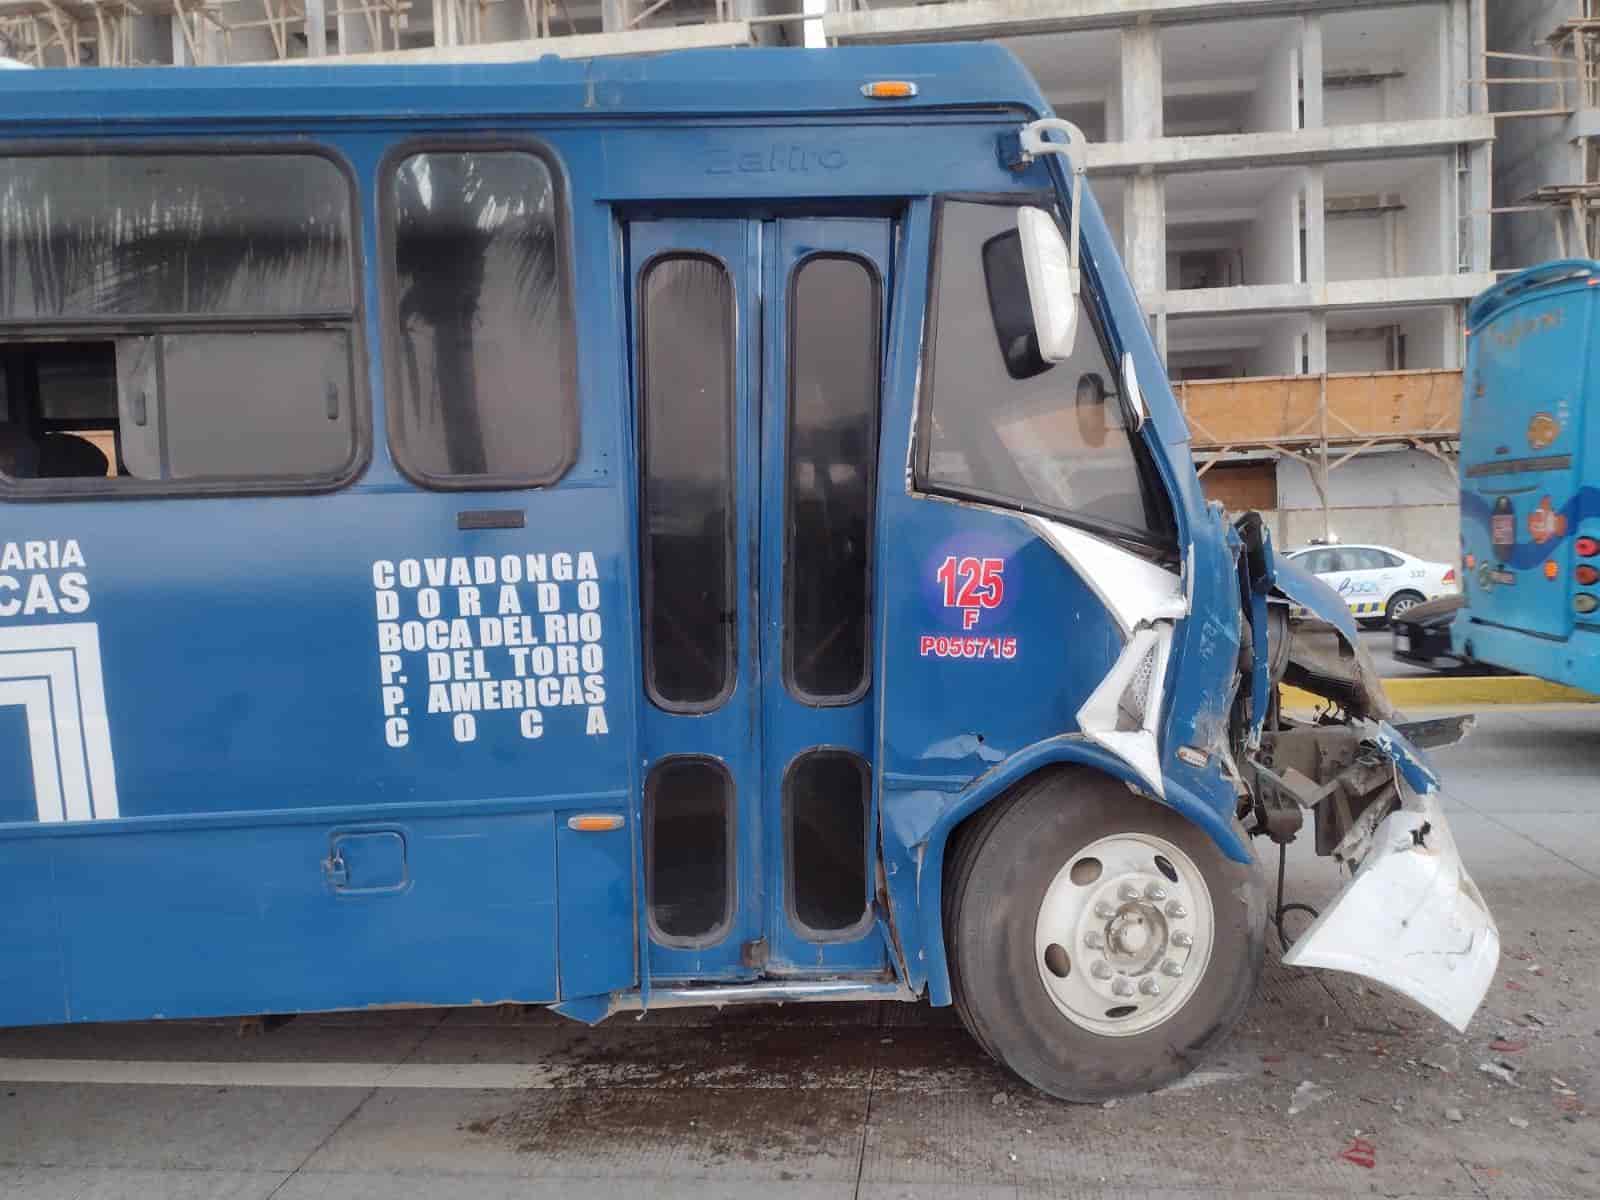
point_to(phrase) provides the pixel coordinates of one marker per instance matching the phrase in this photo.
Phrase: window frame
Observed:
(730, 912)
(730, 682)
(352, 321)
(875, 277)
(389, 304)
(864, 923)
(1091, 310)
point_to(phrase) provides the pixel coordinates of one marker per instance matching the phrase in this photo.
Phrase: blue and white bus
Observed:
(1530, 477)
(700, 529)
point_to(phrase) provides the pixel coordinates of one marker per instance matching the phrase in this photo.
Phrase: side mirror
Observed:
(1132, 396)
(1052, 283)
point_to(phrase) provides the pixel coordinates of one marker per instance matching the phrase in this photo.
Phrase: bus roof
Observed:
(688, 83)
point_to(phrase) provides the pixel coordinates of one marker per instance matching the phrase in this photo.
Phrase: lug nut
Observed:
(1128, 892)
(1177, 911)
(1172, 968)
(1149, 987)
(1121, 987)
(1101, 970)
(1183, 939)
(1094, 940)
(1104, 911)
(1156, 892)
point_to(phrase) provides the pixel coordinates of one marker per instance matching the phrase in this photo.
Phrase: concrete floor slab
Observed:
(102, 1183)
(214, 1129)
(386, 1185)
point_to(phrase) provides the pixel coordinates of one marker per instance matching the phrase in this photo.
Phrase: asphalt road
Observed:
(885, 1100)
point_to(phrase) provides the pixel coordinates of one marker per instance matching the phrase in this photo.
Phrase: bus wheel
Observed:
(1099, 942)
(1400, 604)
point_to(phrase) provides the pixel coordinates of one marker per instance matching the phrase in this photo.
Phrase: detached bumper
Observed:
(1411, 918)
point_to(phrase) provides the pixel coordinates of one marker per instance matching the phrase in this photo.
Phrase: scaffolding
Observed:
(1323, 421)
(1569, 64)
(56, 33)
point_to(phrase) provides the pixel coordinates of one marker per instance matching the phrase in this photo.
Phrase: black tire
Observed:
(995, 881)
(1402, 602)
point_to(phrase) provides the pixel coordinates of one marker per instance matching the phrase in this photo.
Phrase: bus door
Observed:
(1521, 456)
(757, 366)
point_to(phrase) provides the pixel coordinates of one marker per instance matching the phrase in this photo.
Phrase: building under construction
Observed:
(1302, 187)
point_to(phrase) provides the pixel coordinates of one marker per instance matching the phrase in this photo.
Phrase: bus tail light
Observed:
(1587, 547)
(1550, 568)
(1585, 603)
(1586, 574)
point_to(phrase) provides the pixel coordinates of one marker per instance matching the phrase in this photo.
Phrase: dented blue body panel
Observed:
(255, 801)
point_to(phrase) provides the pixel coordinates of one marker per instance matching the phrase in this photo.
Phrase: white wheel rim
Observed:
(1124, 934)
(1403, 605)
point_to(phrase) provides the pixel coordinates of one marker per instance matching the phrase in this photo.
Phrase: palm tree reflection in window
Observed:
(486, 378)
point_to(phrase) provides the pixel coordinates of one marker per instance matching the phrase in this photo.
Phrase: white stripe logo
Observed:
(53, 672)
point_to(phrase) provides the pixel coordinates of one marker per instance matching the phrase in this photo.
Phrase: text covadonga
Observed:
(463, 637)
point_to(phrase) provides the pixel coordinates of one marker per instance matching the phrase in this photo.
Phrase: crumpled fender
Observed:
(1299, 585)
(1325, 655)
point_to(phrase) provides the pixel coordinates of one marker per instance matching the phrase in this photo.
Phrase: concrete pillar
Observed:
(1311, 72)
(1316, 344)
(1480, 197)
(354, 34)
(1315, 266)
(1114, 113)
(1144, 238)
(1141, 84)
(613, 16)
(316, 28)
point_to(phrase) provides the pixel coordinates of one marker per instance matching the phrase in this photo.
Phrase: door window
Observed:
(687, 330)
(689, 850)
(1002, 425)
(832, 448)
(827, 801)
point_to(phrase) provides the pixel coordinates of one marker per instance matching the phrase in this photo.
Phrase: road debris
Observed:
(997, 1099)
(1307, 1094)
(1453, 1114)
(1504, 1072)
(1361, 1152)
(1446, 1058)
(1518, 1122)
(1508, 1046)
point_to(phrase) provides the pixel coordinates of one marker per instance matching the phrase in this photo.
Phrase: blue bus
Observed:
(701, 529)
(1530, 477)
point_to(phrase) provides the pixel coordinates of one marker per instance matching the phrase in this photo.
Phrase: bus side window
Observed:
(483, 378)
(256, 246)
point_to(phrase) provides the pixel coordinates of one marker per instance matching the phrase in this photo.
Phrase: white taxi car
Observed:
(1377, 582)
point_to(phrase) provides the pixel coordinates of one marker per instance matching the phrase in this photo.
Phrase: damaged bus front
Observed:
(1145, 919)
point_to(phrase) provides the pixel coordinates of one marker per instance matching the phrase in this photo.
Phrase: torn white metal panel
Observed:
(1411, 918)
(1123, 714)
(1135, 590)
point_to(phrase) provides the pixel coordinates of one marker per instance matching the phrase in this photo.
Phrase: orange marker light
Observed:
(1472, 560)
(1550, 568)
(889, 89)
(595, 823)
